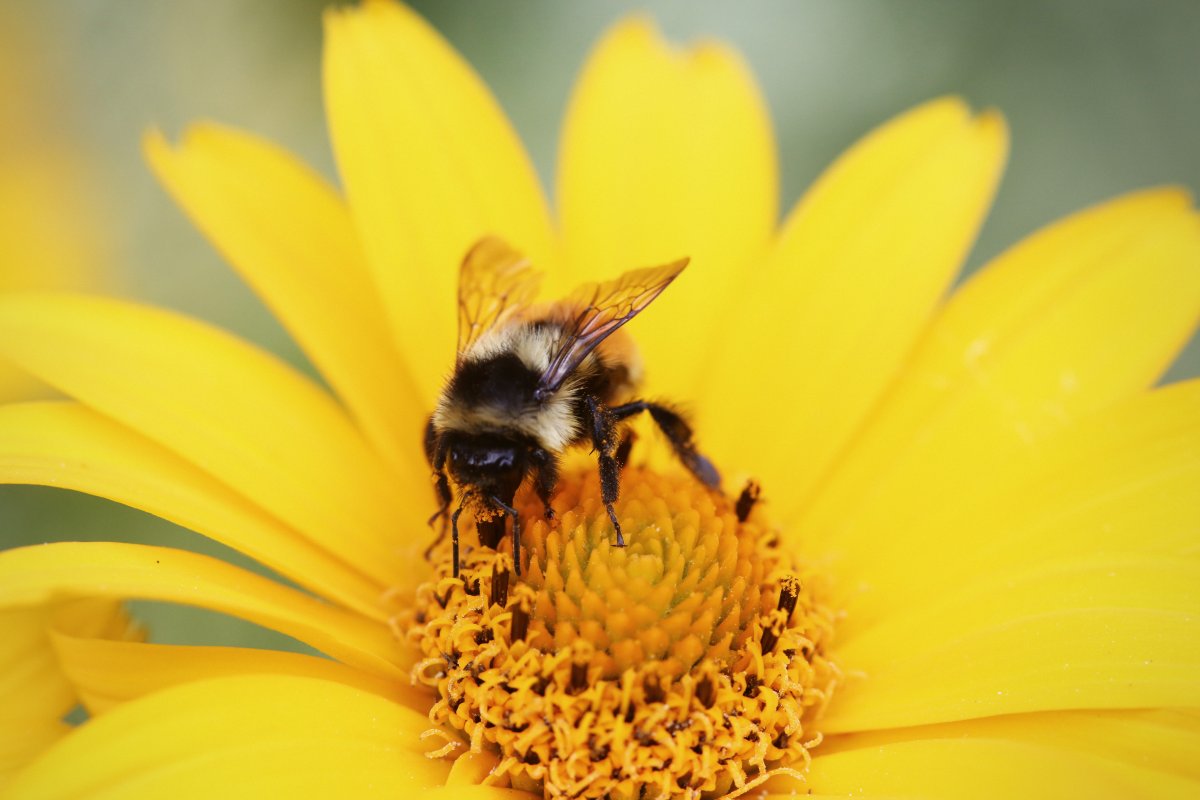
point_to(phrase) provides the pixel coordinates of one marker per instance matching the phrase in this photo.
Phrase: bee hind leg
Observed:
(604, 440)
(678, 433)
(624, 448)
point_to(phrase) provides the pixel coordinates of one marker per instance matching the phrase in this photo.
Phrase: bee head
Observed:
(492, 464)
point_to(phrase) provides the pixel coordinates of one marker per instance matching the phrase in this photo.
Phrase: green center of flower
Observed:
(691, 661)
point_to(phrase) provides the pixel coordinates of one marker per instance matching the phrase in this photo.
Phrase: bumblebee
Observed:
(530, 382)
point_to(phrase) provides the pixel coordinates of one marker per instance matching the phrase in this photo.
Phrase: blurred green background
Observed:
(1102, 97)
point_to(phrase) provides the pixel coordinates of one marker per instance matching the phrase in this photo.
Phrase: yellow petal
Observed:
(838, 305)
(53, 226)
(20, 744)
(33, 575)
(980, 769)
(476, 793)
(471, 768)
(430, 165)
(67, 445)
(668, 153)
(232, 410)
(1117, 483)
(31, 686)
(108, 673)
(252, 736)
(469, 771)
(35, 694)
(1075, 319)
(290, 236)
(1098, 631)
(1164, 740)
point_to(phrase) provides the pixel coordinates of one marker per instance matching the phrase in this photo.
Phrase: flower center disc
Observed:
(689, 662)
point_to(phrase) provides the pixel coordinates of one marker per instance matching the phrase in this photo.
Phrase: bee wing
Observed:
(604, 307)
(493, 283)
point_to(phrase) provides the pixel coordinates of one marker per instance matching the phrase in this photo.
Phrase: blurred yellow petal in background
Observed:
(51, 229)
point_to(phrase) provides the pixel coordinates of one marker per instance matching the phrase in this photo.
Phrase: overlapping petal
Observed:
(1101, 631)
(668, 153)
(32, 689)
(476, 793)
(35, 693)
(248, 736)
(106, 673)
(21, 744)
(471, 768)
(839, 303)
(430, 165)
(35, 575)
(290, 236)
(979, 769)
(1164, 740)
(1080, 316)
(232, 410)
(1061, 583)
(1112, 484)
(71, 446)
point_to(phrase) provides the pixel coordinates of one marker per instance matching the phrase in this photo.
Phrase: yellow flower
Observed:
(973, 573)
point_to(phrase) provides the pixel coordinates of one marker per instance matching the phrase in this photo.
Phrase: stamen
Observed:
(770, 637)
(653, 689)
(520, 623)
(706, 691)
(789, 594)
(500, 573)
(579, 670)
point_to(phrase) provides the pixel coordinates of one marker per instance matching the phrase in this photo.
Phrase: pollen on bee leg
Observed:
(689, 663)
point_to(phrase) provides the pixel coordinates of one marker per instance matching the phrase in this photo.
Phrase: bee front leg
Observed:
(454, 538)
(516, 538)
(545, 478)
(604, 440)
(442, 486)
(437, 459)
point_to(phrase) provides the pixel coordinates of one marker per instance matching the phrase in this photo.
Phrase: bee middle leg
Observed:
(607, 445)
(545, 478)
(624, 448)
